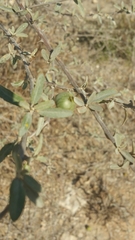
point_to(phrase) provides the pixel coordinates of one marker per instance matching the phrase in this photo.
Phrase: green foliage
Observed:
(13, 98)
(26, 123)
(6, 150)
(56, 113)
(17, 199)
(38, 89)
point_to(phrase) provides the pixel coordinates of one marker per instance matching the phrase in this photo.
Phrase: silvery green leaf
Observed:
(91, 98)
(12, 51)
(6, 9)
(118, 139)
(21, 28)
(26, 123)
(127, 156)
(56, 113)
(40, 144)
(106, 94)
(115, 166)
(40, 125)
(111, 104)
(95, 107)
(79, 101)
(36, 16)
(24, 104)
(38, 89)
(126, 165)
(5, 58)
(34, 52)
(45, 55)
(44, 97)
(82, 109)
(55, 52)
(21, 35)
(17, 84)
(44, 105)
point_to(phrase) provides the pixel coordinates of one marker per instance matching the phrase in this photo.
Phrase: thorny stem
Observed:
(103, 126)
(17, 47)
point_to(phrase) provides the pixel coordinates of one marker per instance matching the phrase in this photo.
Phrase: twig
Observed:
(17, 47)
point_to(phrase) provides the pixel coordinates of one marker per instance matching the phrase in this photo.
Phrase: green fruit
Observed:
(65, 100)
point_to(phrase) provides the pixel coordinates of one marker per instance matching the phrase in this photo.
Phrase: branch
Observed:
(80, 91)
(17, 47)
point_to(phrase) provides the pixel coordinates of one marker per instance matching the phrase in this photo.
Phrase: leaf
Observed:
(111, 104)
(40, 125)
(41, 158)
(91, 98)
(17, 84)
(95, 107)
(105, 95)
(26, 123)
(40, 144)
(6, 150)
(21, 35)
(56, 113)
(32, 183)
(118, 139)
(126, 165)
(38, 89)
(82, 109)
(55, 52)
(115, 166)
(5, 58)
(127, 155)
(16, 154)
(45, 55)
(11, 97)
(17, 199)
(21, 28)
(34, 52)
(24, 104)
(34, 196)
(79, 101)
(44, 105)
(6, 9)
